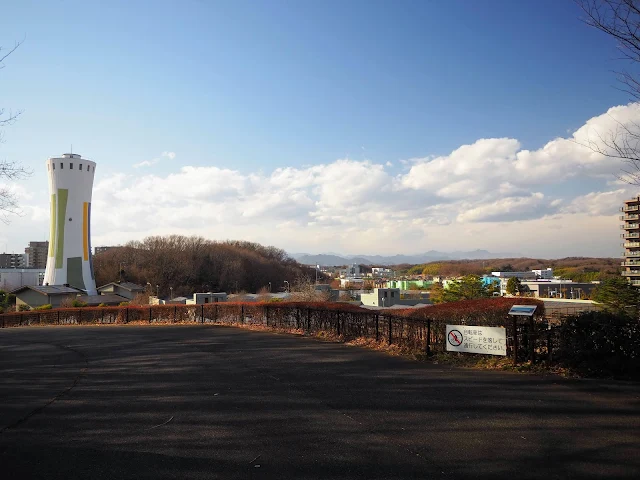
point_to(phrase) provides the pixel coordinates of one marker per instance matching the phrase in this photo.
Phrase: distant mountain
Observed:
(325, 259)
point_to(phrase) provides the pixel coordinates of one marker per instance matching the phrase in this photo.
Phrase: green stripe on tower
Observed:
(63, 195)
(52, 226)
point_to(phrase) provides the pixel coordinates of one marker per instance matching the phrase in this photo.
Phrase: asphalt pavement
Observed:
(159, 402)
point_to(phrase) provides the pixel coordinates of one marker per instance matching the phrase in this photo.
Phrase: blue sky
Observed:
(252, 88)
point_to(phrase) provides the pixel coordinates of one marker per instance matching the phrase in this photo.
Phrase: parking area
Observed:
(202, 401)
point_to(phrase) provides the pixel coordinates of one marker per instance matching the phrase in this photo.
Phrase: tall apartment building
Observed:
(12, 260)
(631, 236)
(37, 253)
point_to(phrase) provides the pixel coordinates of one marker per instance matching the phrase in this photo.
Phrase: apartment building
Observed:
(12, 260)
(37, 253)
(631, 235)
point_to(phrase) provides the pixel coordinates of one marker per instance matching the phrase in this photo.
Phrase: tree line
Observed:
(578, 269)
(195, 264)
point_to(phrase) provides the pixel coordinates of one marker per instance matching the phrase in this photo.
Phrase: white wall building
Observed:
(546, 274)
(381, 297)
(70, 187)
(13, 278)
(381, 272)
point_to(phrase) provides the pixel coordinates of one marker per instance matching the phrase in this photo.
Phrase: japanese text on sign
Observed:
(476, 339)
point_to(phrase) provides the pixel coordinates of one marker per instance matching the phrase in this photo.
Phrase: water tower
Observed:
(70, 185)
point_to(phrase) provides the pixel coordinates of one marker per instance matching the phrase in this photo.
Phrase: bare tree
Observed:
(620, 19)
(9, 171)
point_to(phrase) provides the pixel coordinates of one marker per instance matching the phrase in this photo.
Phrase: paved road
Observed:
(216, 402)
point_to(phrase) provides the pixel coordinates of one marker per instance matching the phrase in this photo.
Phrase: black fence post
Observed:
(150, 315)
(549, 345)
(202, 313)
(175, 311)
(298, 317)
(215, 313)
(266, 314)
(58, 317)
(377, 327)
(515, 341)
(79, 317)
(241, 314)
(308, 320)
(102, 318)
(390, 327)
(532, 337)
(338, 322)
(126, 311)
(428, 349)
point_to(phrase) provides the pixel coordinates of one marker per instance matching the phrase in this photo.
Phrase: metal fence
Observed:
(550, 339)
(408, 334)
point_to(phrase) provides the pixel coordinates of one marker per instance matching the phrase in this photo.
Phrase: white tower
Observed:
(70, 185)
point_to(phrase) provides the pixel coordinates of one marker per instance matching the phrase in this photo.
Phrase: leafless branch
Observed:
(5, 55)
(9, 171)
(620, 19)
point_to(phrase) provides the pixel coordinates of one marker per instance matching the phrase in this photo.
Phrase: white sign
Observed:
(476, 339)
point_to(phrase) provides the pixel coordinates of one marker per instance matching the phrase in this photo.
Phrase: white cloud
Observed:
(599, 203)
(154, 161)
(506, 209)
(489, 182)
(488, 194)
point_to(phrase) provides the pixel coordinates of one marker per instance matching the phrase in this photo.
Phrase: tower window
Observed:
(71, 166)
(61, 165)
(53, 165)
(88, 167)
(80, 167)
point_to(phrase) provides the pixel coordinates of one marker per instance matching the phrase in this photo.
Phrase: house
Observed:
(390, 297)
(201, 298)
(127, 290)
(381, 297)
(37, 295)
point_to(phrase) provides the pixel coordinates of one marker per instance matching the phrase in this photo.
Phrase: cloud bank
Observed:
(558, 200)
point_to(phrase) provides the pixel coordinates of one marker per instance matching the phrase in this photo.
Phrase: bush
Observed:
(46, 306)
(124, 304)
(23, 307)
(78, 303)
(600, 343)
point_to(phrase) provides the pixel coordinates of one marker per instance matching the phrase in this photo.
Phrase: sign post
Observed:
(522, 311)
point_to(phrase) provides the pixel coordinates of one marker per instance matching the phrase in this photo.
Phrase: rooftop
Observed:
(133, 287)
(49, 289)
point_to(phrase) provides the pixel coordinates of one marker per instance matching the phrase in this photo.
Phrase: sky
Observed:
(356, 127)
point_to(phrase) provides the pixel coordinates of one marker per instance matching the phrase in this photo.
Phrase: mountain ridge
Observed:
(332, 259)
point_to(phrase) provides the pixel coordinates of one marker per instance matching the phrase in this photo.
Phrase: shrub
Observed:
(46, 306)
(23, 308)
(124, 304)
(78, 303)
(600, 343)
